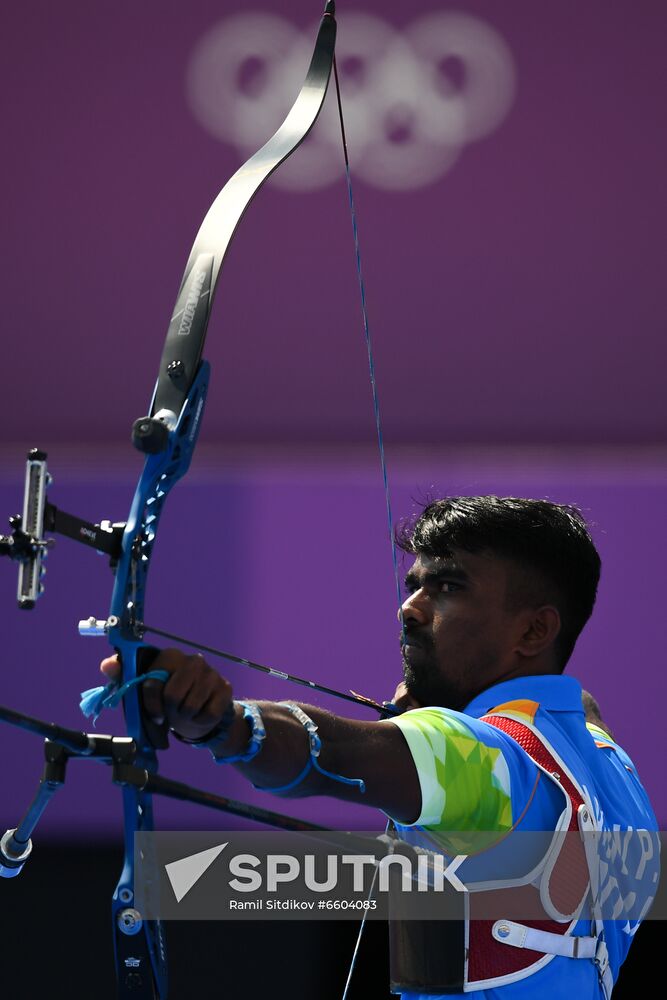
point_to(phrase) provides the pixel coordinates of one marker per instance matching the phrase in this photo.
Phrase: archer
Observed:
(493, 738)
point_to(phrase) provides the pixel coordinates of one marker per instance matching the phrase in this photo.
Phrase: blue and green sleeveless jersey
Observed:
(478, 786)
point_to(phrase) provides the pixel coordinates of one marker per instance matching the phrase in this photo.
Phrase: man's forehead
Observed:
(470, 565)
(434, 564)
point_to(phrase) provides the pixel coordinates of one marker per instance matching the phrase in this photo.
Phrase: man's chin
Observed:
(417, 691)
(427, 695)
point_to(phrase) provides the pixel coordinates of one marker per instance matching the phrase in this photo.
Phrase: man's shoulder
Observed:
(549, 692)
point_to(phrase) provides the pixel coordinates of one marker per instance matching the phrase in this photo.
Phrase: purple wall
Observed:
(520, 296)
(287, 562)
(516, 300)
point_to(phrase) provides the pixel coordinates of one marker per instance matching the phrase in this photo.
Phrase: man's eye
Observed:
(449, 587)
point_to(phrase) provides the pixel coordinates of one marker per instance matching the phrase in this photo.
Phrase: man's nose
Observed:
(413, 610)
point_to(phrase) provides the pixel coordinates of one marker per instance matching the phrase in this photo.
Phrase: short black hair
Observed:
(549, 542)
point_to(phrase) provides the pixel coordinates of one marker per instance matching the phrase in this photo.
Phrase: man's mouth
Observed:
(411, 641)
(413, 651)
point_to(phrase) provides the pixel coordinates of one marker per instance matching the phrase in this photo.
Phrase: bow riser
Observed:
(161, 472)
(181, 387)
(139, 945)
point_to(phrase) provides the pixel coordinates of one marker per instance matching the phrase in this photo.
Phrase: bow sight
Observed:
(27, 544)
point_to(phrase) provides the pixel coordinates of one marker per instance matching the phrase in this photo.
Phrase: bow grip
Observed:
(155, 734)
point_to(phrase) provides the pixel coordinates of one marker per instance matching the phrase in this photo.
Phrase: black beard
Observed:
(429, 687)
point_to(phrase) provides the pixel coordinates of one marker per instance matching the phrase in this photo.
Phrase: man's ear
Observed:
(540, 629)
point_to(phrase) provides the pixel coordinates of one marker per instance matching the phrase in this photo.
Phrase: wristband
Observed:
(251, 714)
(215, 740)
(314, 747)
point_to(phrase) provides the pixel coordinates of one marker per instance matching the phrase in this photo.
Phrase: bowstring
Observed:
(380, 440)
(369, 348)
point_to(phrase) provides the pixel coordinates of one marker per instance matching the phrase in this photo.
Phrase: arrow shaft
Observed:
(270, 671)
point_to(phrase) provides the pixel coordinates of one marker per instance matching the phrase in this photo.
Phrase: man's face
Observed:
(460, 636)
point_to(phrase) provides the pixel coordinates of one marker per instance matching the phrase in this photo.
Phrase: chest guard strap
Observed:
(559, 893)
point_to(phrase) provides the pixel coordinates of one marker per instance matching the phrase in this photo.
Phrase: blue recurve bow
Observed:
(168, 436)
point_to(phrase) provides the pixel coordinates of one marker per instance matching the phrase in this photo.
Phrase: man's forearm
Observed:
(286, 751)
(367, 762)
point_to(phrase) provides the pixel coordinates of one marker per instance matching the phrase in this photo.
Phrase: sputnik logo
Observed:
(186, 872)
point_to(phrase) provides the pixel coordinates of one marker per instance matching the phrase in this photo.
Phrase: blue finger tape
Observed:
(94, 700)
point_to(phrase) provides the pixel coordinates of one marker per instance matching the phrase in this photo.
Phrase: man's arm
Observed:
(375, 752)
(194, 699)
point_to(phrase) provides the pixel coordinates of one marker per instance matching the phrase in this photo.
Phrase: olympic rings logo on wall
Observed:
(413, 99)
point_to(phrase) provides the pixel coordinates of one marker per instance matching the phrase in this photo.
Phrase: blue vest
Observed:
(627, 870)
